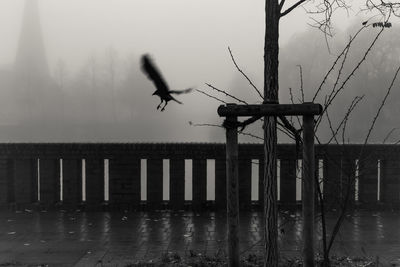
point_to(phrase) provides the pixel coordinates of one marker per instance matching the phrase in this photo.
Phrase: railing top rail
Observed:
(183, 150)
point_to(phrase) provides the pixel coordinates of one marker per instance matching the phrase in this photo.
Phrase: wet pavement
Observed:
(61, 238)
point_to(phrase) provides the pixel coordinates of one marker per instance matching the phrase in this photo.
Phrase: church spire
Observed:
(31, 61)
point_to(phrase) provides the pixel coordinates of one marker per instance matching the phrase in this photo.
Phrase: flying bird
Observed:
(155, 76)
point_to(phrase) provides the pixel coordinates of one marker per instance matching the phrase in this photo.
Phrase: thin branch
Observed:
(334, 133)
(334, 63)
(281, 5)
(340, 70)
(220, 126)
(389, 134)
(326, 8)
(357, 66)
(301, 83)
(294, 132)
(283, 130)
(323, 26)
(287, 11)
(352, 106)
(216, 98)
(332, 97)
(247, 78)
(291, 129)
(345, 120)
(381, 106)
(243, 124)
(323, 223)
(222, 91)
(385, 8)
(292, 100)
(204, 124)
(251, 135)
(239, 124)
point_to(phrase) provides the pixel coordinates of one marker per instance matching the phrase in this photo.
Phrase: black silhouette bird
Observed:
(155, 76)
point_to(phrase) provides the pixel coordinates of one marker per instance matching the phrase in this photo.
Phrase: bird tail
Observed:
(181, 91)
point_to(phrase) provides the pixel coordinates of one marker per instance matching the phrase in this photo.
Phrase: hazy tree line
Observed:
(109, 99)
(370, 81)
(309, 50)
(106, 99)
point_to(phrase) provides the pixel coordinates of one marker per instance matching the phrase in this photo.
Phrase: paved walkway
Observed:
(117, 239)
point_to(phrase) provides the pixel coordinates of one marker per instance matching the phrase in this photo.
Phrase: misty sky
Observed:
(172, 30)
(188, 40)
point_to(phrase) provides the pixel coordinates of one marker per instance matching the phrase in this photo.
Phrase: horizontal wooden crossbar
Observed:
(269, 110)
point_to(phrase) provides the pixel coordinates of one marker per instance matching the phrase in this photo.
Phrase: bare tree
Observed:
(274, 11)
(323, 12)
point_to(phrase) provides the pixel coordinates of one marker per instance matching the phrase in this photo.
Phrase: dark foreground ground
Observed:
(117, 239)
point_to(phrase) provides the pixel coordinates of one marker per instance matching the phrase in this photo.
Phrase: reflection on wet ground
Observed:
(88, 238)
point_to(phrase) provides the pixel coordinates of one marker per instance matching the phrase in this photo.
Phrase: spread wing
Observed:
(153, 74)
(181, 91)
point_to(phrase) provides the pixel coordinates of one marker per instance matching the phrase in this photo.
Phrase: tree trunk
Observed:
(271, 86)
(232, 186)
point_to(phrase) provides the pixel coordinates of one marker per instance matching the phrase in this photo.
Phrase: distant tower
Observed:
(30, 61)
(34, 90)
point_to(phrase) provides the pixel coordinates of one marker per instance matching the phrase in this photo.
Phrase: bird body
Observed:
(166, 97)
(155, 76)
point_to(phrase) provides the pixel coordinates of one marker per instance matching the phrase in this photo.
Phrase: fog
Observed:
(94, 90)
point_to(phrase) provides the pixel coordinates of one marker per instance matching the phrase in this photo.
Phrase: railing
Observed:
(179, 176)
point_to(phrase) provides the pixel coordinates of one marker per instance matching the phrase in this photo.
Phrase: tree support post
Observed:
(308, 190)
(231, 112)
(232, 190)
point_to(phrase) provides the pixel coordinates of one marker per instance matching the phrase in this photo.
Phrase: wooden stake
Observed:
(231, 112)
(232, 191)
(308, 190)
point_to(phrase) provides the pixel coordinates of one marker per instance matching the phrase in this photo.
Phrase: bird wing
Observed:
(153, 73)
(181, 91)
